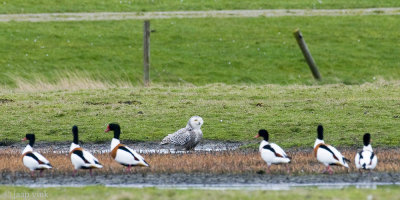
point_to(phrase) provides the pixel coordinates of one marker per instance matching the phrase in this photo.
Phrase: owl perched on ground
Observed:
(187, 137)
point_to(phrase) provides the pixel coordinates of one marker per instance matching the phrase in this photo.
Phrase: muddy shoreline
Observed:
(182, 179)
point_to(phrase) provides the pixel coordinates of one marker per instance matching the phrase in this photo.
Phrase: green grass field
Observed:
(37, 6)
(101, 192)
(230, 112)
(350, 50)
(239, 74)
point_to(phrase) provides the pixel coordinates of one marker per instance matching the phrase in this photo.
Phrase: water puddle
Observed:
(273, 187)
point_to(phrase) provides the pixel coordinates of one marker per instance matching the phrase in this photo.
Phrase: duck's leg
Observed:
(128, 169)
(268, 170)
(330, 170)
(74, 173)
(90, 172)
(41, 172)
(32, 174)
(326, 170)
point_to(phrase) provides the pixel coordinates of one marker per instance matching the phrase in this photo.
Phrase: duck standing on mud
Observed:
(187, 137)
(34, 160)
(327, 154)
(271, 153)
(121, 153)
(366, 159)
(80, 158)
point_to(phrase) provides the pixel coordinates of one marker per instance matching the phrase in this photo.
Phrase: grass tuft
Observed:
(70, 84)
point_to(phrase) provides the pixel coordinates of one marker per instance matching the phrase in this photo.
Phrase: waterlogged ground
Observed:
(213, 164)
(201, 180)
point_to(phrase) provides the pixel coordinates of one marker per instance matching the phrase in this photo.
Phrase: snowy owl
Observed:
(187, 137)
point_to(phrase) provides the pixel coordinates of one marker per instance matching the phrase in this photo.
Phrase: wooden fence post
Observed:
(146, 52)
(307, 54)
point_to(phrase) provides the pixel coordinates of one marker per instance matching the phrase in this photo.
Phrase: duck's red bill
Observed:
(107, 129)
(23, 139)
(257, 136)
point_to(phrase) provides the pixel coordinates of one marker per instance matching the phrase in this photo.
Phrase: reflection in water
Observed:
(260, 186)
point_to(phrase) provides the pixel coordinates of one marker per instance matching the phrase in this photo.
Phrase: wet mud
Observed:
(199, 179)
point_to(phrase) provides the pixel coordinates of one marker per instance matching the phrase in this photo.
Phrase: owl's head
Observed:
(195, 122)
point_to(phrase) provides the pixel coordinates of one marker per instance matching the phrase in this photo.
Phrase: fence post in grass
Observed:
(307, 54)
(146, 52)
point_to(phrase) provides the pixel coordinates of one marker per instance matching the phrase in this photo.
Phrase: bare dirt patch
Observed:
(6, 101)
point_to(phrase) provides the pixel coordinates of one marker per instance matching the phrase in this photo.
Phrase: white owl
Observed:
(187, 137)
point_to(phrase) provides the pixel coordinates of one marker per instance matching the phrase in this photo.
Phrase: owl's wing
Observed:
(180, 131)
(180, 137)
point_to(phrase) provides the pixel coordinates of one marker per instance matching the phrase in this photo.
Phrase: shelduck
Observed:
(80, 158)
(121, 153)
(327, 154)
(366, 159)
(271, 153)
(187, 137)
(34, 160)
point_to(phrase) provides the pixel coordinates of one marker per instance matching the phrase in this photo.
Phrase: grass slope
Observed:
(350, 50)
(38, 6)
(101, 192)
(290, 113)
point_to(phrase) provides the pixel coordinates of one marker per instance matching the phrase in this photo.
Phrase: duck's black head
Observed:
(31, 138)
(367, 139)
(320, 131)
(75, 133)
(263, 133)
(114, 127)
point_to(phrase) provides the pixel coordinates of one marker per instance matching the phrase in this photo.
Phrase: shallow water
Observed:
(262, 186)
(206, 180)
(274, 187)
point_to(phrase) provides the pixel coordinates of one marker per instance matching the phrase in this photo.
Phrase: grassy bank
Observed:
(350, 50)
(31, 6)
(236, 113)
(96, 192)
